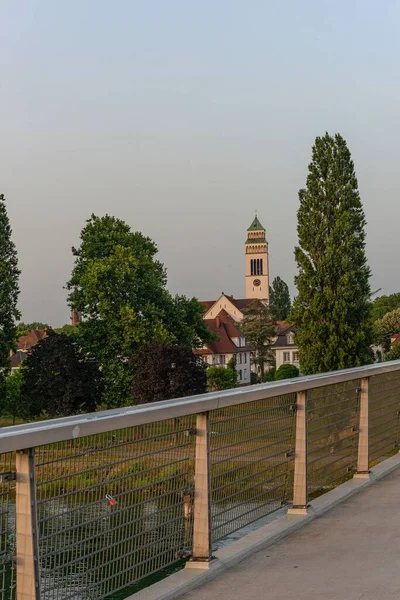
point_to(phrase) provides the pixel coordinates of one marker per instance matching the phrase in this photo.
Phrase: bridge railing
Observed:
(91, 505)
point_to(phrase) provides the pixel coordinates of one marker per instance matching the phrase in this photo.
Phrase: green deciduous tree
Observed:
(13, 405)
(164, 371)
(222, 378)
(26, 328)
(286, 371)
(331, 310)
(383, 305)
(59, 380)
(259, 329)
(386, 327)
(279, 300)
(9, 291)
(68, 329)
(120, 288)
(394, 353)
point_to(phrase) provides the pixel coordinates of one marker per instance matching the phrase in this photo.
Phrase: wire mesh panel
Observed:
(332, 435)
(114, 508)
(384, 411)
(251, 447)
(7, 527)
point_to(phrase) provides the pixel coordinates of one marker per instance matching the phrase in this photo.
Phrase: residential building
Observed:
(24, 344)
(230, 343)
(284, 346)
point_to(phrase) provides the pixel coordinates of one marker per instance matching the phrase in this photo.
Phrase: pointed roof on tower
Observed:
(255, 225)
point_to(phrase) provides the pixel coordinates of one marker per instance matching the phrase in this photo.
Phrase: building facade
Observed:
(284, 346)
(230, 344)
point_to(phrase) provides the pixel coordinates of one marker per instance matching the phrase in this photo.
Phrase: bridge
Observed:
(293, 483)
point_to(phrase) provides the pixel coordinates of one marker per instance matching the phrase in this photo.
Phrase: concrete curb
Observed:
(187, 580)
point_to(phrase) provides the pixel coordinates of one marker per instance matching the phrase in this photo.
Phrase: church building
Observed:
(223, 316)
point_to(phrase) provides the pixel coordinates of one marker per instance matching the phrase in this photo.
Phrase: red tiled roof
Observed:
(224, 326)
(202, 351)
(207, 304)
(17, 359)
(282, 326)
(239, 303)
(27, 341)
(395, 338)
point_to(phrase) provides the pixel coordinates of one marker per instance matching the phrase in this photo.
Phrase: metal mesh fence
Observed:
(251, 448)
(7, 527)
(384, 411)
(332, 435)
(113, 508)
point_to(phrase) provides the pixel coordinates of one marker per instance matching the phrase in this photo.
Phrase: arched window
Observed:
(261, 266)
(251, 267)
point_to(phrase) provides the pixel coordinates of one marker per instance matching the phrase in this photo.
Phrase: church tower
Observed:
(257, 269)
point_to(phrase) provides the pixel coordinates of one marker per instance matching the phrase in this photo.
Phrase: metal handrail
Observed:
(28, 435)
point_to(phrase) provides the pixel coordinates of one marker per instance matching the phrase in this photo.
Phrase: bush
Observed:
(286, 371)
(221, 378)
(269, 375)
(394, 353)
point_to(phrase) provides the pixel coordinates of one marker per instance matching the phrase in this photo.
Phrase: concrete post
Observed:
(363, 451)
(28, 579)
(202, 496)
(300, 461)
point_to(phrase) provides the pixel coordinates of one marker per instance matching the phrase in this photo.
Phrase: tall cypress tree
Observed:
(9, 291)
(332, 307)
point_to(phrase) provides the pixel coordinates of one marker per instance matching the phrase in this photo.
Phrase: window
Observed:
(214, 360)
(240, 358)
(222, 359)
(286, 357)
(240, 375)
(205, 359)
(290, 338)
(245, 373)
(245, 357)
(295, 357)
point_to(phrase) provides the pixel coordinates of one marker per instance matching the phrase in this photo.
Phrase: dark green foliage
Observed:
(163, 371)
(120, 289)
(394, 353)
(279, 300)
(269, 375)
(9, 291)
(68, 329)
(332, 309)
(259, 329)
(58, 379)
(254, 379)
(26, 328)
(286, 371)
(383, 305)
(221, 378)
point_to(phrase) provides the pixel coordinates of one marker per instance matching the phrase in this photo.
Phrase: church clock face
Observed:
(256, 283)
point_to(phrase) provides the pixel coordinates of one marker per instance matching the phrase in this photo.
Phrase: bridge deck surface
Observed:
(350, 553)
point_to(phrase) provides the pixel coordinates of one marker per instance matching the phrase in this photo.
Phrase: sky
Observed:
(183, 117)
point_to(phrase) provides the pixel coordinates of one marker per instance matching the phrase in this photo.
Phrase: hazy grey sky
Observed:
(182, 117)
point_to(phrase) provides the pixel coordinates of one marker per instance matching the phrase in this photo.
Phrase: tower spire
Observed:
(256, 258)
